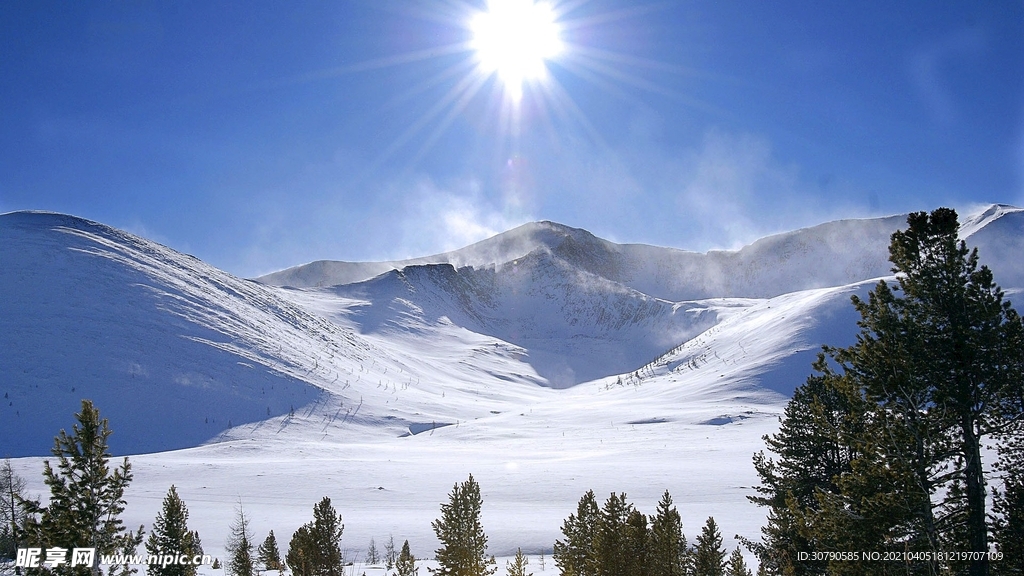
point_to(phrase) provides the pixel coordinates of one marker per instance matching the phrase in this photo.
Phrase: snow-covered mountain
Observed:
(545, 361)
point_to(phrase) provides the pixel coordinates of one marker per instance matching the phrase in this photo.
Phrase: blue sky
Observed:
(260, 135)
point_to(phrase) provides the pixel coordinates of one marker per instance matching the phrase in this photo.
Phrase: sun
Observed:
(514, 39)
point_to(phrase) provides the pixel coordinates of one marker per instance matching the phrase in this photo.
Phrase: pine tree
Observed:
(269, 554)
(575, 555)
(240, 546)
(170, 535)
(12, 516)
(301, 551)
(315, 548)
(667, 547)
(372, 555)
(86, 497)
(736, 566)
(1009, 507)
(517, 566)
(612, 551)
(463, 542)
(966, 352)
(405, 564)
(390, 554)
(812, 452)
(709, 557)
(937, 369)
(636, 543)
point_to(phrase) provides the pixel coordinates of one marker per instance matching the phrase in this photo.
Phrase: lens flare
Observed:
(514, 39)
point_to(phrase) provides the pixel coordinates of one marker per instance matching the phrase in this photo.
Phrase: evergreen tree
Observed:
(315, 548)
(390, 554)
(969, 366)
(463, 542)
(269, 554)
(405, 564)
(812, 452)
(575, 555)
(301, 551)
(372, 555)
(636, 543)
(941, 357)
(612, 551)
(86, 497)
(517, 567)
(736, 566)
(12, 516)
(1009, 507)
(170, 535)
(667, 549)
(709, 557)
(240, 546)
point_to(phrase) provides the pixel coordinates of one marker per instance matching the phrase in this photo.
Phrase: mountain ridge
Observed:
(184, 354)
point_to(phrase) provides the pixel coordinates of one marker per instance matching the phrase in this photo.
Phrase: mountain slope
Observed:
(180, 353)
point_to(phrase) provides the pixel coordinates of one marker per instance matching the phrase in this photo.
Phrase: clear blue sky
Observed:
(259, 135)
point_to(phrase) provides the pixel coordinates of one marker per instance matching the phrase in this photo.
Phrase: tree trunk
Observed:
(977, 530)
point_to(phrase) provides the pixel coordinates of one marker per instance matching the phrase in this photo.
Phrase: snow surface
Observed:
(544, 361)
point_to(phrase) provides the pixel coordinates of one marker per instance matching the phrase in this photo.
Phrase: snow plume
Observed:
(734, 189)
(440, 219)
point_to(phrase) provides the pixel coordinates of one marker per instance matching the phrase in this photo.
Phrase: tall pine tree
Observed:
(405, 563)
(12, 516)
(937, 370)
(269, 553)
(240, 547)
(315, 548)
(709, 556)
(667, 549)
(574, 555)
(463, 550)
(1009, 506)
(612, 550)
(86, 497)
(170, 535)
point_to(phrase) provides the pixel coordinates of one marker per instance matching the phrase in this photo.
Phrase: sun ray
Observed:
(511, 66)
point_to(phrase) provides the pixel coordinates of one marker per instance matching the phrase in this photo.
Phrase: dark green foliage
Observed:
(636, 543)
(240, 547)
(737, 566)
(463, 542)
(405, 563)
(667, 552)
(575, 555)
(315, 548)
(269, 553)
(1009, 507)
(170, 535)
(517, 566)
(882, 451)
(812, 452)
(301, 552)
(86, 497)
(612, 545)
(216, 564)
(709, 556)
